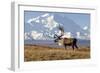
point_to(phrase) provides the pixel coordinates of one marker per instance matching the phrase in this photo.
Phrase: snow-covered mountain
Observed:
(44, 27)
(45, 20)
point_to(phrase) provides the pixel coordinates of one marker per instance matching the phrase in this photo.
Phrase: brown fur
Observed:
(70, 42)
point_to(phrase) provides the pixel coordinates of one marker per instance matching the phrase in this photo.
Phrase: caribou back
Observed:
(65, 41)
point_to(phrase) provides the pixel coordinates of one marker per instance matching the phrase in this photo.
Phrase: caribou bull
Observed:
(70, 42)
(66, 42)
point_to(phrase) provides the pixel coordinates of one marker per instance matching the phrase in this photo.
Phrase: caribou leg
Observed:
(65, 46)
(74, 45)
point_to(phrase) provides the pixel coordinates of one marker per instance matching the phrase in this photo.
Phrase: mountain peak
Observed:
(44, 26)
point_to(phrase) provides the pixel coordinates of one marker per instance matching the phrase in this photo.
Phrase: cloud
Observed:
(33, 35)
(36, 35)
(85, 28)
(27, 36)
(67, 35)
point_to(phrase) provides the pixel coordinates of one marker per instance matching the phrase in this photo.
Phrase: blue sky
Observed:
(73, 20)
(36, 22)
(80, 18)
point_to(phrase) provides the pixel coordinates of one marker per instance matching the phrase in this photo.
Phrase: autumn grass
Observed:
(43, 53)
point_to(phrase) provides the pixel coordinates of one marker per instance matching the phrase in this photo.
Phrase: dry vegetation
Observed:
(42, 53)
